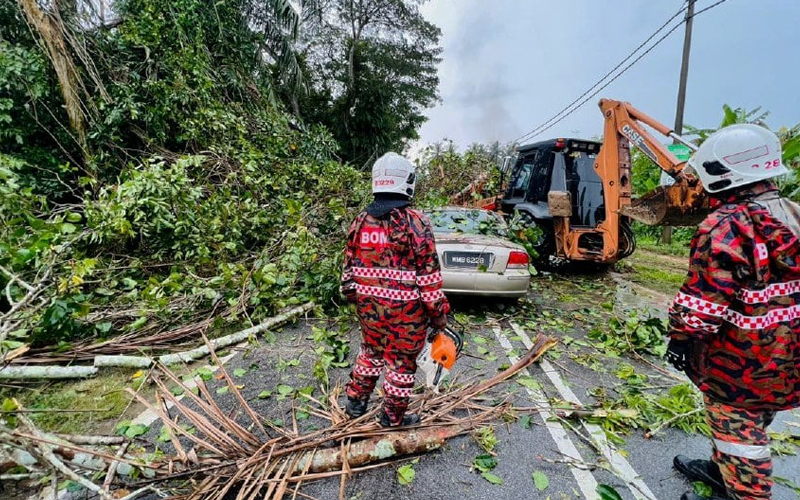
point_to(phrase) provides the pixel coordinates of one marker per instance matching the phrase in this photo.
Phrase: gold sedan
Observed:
(475, 254)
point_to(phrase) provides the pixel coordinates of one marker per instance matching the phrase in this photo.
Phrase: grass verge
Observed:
(88, 406)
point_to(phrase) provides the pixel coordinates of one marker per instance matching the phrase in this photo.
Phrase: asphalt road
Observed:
(574, 457)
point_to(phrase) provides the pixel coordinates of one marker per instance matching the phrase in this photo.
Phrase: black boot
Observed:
(356, 407)
(408, 419)
(690, 495)
(700, 470)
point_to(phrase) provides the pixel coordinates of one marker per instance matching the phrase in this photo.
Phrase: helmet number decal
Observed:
(768, 165)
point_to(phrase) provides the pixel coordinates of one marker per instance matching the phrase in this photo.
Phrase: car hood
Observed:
(473, 239)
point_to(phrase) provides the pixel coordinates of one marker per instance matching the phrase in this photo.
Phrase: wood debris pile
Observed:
(226, 458)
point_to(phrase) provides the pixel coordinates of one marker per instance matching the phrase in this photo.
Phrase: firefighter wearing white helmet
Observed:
(394, 174)
(736, 313)
(738, 155)
(391, 273)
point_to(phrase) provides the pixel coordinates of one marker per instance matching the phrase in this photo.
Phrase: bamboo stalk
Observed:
(46, 372)
(235, 338)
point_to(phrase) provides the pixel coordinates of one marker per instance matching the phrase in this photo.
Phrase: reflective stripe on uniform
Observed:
(772, 291)
(387, 293)
(741, 321)
(751, 451)
(432, 296)
(429, 279)
(382, 272)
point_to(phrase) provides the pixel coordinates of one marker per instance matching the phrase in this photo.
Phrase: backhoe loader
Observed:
(578, 192)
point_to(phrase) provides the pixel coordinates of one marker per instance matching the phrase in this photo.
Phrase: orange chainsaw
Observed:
(439, 355)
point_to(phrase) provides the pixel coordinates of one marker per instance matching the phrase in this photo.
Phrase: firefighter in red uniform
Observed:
(734, 325)
(391, 272)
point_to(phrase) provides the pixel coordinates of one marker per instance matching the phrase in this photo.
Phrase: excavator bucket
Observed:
(678, 205)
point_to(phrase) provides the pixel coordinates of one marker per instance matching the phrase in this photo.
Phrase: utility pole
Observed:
(666, 233)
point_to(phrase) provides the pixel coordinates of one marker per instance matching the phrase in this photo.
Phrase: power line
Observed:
(709, 7)
(536, 130)
(557, 118)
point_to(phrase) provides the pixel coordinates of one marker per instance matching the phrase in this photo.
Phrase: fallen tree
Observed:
(224, 455)
(77, 371)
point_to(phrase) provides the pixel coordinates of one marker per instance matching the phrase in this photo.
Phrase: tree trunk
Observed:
(53, 37)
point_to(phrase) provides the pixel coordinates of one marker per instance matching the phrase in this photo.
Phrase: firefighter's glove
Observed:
(438, 323)
(678, 354)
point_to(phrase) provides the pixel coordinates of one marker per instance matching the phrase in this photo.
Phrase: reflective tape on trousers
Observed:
(751, 451)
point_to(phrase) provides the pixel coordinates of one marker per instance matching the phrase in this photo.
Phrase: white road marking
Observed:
(586, 481)
(614, 457)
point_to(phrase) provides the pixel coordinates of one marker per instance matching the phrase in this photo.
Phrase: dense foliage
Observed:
(173, 186)
(371, 71)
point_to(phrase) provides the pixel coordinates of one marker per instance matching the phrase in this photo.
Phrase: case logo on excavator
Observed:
(638, 141)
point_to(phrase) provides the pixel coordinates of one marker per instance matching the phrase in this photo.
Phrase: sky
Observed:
(509, 65)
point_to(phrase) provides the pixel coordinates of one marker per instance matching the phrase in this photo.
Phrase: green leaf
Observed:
(8, 405)
(222, 390)
(491, 478)
(264, 394)
(134, 430)
(12, 344)
(540, 480)
(484, 463)
(165, 436)
(607, 492)
(702, 489)
(137, 324)
(176, 390)
(529, 382)
(284, 391)
(525, 421)
(204, 373)
(239, 372)
(406, 474)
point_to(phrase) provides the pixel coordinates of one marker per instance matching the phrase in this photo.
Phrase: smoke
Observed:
(475, 86)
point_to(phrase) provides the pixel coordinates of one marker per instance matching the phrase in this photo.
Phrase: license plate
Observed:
(471, 260)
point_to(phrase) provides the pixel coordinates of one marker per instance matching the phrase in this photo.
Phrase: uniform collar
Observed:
(384, 204)
(749, 192)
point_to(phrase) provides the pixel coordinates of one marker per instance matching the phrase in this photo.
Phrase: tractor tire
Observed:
(627, 240)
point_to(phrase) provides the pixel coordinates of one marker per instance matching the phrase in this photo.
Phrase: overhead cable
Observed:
(580, 101)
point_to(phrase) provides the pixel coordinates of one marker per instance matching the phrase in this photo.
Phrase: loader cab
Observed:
(557, 165)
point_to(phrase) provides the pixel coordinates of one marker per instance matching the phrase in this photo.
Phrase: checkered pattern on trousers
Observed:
(429, 279)
(701, 305)
(432, 296)
(398, 384)
(695, 322)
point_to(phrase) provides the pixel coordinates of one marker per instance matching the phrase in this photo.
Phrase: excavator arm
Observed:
(680, 204)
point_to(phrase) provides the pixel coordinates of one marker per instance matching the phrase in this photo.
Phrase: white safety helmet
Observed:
(736, 156)
(393, 173)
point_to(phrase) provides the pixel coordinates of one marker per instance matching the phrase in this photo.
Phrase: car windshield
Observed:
(467, 221)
